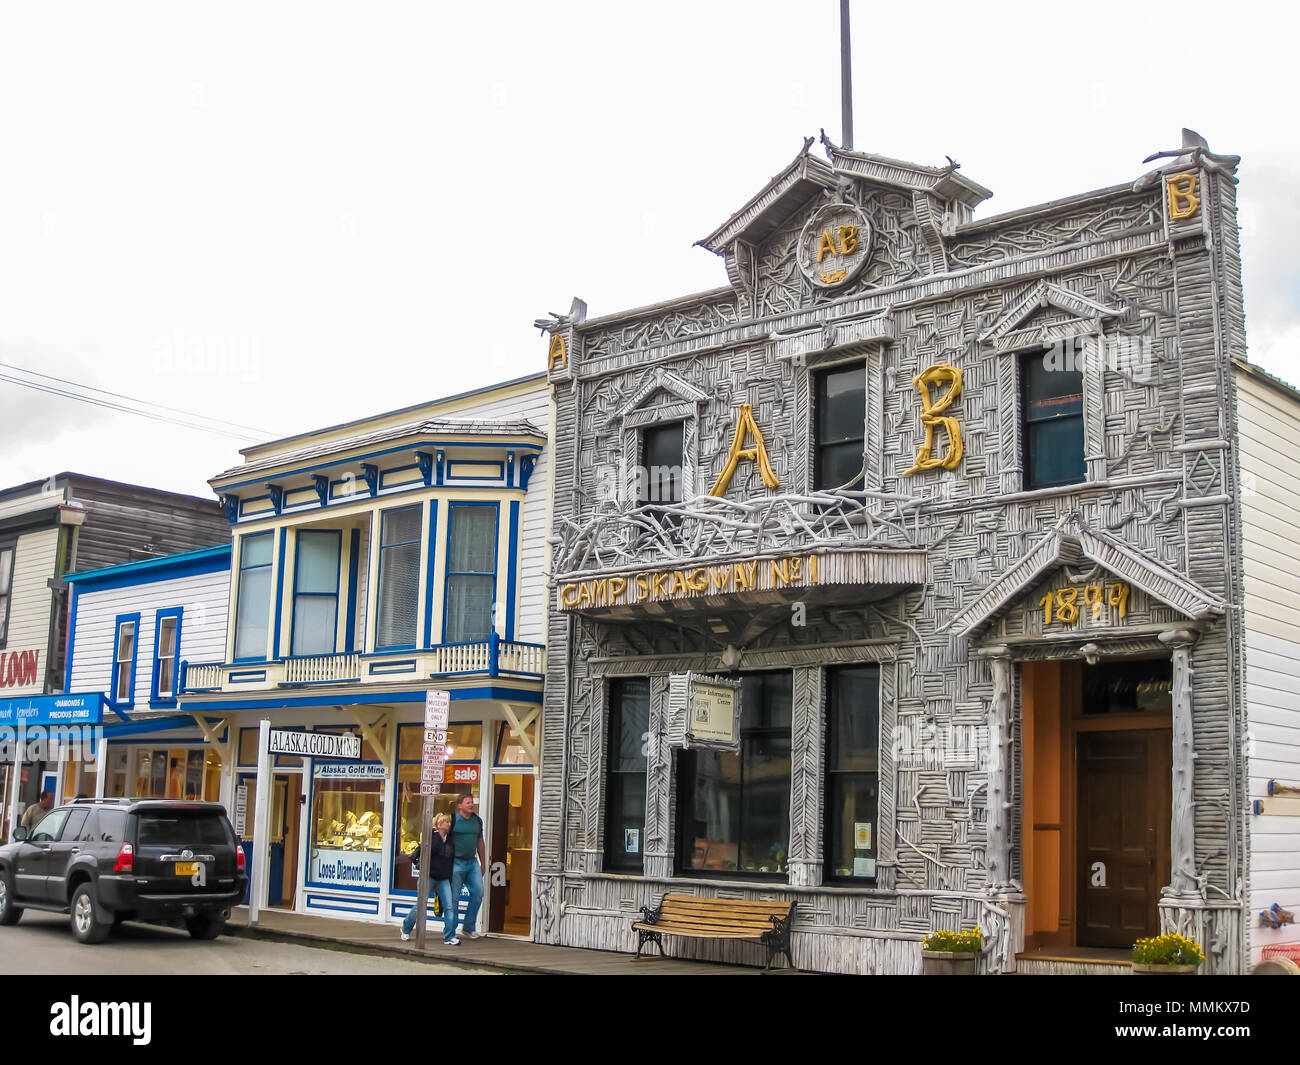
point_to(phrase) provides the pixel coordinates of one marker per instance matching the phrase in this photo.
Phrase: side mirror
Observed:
(20, 834)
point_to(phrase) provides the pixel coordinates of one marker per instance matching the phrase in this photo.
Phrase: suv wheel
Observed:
(9, 913)
(206, 926)
(85, 925)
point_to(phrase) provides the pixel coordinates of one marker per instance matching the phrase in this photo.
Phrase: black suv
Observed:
(108, 860)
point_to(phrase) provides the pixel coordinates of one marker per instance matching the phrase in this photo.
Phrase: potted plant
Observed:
(950, 953)
(1170, 954)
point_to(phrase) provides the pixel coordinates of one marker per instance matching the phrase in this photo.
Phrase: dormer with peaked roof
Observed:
(878, 220)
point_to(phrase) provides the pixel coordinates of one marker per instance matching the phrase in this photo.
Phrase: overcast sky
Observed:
(288, 215)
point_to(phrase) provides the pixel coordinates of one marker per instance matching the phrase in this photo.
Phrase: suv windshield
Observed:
(174, 828)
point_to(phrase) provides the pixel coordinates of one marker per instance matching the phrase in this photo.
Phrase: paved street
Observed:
(41, 942)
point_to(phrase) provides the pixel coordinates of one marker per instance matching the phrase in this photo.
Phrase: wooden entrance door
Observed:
(1123, 834)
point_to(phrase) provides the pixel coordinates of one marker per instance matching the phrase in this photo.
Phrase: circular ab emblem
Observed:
(834, 245)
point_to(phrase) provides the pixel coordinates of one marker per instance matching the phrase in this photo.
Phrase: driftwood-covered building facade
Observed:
(955, 504)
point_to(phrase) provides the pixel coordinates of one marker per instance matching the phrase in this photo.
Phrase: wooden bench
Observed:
(693, 917)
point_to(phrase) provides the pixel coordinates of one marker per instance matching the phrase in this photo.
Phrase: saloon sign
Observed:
(18, 668)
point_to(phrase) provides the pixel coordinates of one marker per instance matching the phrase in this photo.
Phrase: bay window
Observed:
(253, 605)
(471, 572)
(399, 578)
(316, 592)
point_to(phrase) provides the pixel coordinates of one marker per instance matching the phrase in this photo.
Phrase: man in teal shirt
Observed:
(470, 863)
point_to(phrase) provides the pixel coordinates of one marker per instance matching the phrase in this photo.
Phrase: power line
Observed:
(133, 399)
(125, 410)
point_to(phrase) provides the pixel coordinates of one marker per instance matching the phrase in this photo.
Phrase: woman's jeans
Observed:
(443, 889)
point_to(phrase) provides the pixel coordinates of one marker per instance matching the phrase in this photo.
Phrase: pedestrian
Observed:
(439, 857)
(35, 813)
(470, 864)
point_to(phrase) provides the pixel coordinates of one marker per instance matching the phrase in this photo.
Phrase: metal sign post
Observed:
(261, 824)
(437, 713)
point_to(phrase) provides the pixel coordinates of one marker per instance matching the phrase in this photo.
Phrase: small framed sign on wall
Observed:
(704, 711)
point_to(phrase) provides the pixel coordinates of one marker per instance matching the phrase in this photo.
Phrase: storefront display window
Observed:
(735, 808)
(852, 771)
(347, 825)
(156, 773)
(462, 773)
(510, 748)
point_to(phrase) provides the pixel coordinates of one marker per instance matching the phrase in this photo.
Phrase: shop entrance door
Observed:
(510, 854)
(1123, 787)
(282, 873)
(1097, 750)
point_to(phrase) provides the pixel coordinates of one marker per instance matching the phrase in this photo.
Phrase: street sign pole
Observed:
(261, 824)
(437, 713)
(422, 894)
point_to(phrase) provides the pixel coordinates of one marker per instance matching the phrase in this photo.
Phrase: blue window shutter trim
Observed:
(354, 549)
(512, 578)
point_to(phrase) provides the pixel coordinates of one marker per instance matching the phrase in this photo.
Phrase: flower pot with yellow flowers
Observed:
(1169, 955)
(950, 953)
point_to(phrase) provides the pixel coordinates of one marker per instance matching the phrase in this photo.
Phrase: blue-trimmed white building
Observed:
(372, 562)
(132, 627)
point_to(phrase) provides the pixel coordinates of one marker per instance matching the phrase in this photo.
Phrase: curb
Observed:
(360, 946)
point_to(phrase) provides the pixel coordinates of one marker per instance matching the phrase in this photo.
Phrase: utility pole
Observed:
(846, 76)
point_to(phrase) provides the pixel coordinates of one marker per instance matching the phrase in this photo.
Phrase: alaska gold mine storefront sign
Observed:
(690, 582)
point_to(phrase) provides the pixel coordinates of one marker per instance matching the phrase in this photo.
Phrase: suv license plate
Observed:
(187, 868)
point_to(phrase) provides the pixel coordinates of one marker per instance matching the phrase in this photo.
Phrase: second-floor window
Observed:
(1053, 423)
(124, 661)
(6, 584)
(399, 578)
(316, 591)
(253, 609)
(659, 478)
(839, 418)
(166, 652)
(471, 572)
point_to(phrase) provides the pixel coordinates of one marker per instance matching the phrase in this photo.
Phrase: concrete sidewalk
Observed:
(492, 952)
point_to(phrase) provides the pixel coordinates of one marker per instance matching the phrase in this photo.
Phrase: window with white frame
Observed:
(166, 651)
(124, 661)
